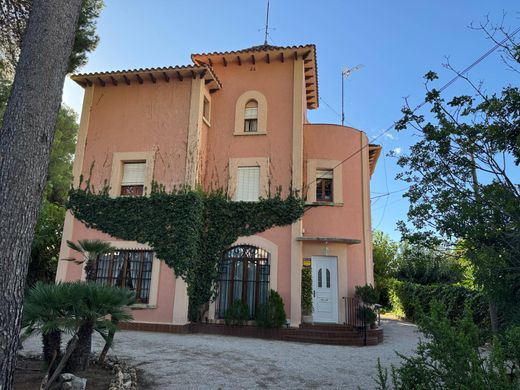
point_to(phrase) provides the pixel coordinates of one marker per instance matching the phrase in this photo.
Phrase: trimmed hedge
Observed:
(408, 298)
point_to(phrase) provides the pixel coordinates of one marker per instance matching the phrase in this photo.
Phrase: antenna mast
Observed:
(266, 24)
(345, 73)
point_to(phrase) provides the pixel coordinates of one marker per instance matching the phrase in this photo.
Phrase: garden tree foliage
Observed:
(26, 137)
(59, 176)
(188, 229)
(464, 183)
(15, 14)
(384, 253)
(423, 265)
(449, 357)
(45, 247)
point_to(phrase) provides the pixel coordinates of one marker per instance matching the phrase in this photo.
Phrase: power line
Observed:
(389, 193)
(445, 86)
(330, 107)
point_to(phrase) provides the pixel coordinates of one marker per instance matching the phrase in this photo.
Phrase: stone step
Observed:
(359, 341)
(330, 327)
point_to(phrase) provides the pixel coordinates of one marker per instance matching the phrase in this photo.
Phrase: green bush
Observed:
(307, 291)
(409, 299)
(417, 264)
(367, 314)
(271, 314)
(237, 313)
(368, 294)
(512, 343)
(449, 357)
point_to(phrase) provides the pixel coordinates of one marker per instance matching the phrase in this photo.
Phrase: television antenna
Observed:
(345, 74)
(266, 24)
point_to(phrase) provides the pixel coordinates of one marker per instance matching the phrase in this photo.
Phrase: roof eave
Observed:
(149, 75)
(374, 151)
(269, 54)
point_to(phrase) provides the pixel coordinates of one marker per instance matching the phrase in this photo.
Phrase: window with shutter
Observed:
(132, 183)
(251, 117)
(324, 187)
(248, 184)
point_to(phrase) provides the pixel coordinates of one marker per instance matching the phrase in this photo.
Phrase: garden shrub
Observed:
(368, 294)
(410, 299)
(367, 315)
(512, 344)
(417, 264)
(272, 314)
(307, 291)
(449, 357)
(237, 313)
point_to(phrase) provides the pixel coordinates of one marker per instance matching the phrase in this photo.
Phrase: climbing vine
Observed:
(188, 229)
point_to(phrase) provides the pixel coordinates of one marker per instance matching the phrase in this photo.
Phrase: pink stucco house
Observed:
(236, 120)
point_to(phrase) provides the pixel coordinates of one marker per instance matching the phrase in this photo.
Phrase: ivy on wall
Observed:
(188, 229)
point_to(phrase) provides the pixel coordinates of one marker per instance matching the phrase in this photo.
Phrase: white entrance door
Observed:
(325, 289)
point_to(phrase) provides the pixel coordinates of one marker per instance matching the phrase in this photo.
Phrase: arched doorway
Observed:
(244, 276)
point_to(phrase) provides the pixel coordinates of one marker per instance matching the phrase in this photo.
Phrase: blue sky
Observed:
(396, 41)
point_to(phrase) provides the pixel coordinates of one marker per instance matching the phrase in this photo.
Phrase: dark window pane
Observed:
(328, 278)
(132, 190)
(320, 278)
(250, 125)
(324, 190)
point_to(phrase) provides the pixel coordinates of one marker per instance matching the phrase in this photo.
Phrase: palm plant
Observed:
(78, 308)
(98, 308)
(91, 250)
(46, 310)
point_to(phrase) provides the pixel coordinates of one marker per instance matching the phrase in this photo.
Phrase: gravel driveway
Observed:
(199, 361)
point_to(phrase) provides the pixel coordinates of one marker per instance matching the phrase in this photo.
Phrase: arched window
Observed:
(251, 114)
(251, 117)
(244, 276)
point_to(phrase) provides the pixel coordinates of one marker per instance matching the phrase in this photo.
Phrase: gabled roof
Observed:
(152, 75)
(270, 53)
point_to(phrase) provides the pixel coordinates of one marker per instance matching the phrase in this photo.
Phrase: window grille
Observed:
(127, 268)
(244, 276)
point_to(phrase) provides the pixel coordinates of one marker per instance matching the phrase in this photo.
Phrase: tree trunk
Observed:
(78, 361)
(25, 141)
(108, 344)
(493, 316)
(52, 349)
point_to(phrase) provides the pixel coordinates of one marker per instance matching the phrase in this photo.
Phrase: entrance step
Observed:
(324, 339)
(329, 327)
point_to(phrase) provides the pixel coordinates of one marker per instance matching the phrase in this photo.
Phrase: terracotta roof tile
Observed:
(81, 78)
(311, 71)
